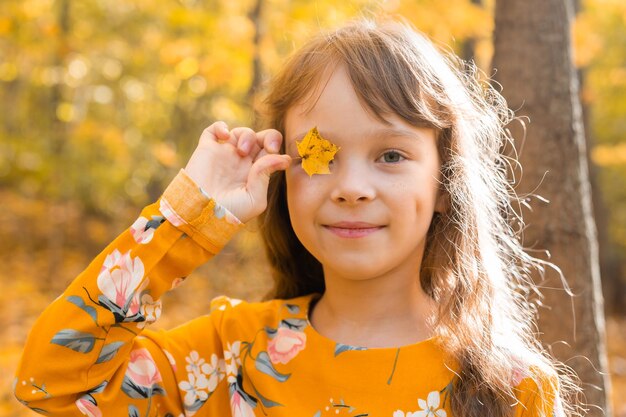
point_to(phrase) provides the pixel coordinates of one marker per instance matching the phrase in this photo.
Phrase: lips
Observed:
(353, 229)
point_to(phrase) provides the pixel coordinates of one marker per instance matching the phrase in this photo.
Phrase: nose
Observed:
(352, 182)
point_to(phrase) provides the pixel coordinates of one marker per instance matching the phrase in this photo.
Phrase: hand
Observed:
(234, 166)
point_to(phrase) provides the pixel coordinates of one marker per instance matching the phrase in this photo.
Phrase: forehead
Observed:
(334, 106)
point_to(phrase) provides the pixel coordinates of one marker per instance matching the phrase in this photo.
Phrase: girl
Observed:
(397, 275)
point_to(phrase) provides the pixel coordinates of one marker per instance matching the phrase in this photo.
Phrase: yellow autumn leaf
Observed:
(316, 152)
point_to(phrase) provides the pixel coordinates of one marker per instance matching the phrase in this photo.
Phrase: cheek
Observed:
(297, 189)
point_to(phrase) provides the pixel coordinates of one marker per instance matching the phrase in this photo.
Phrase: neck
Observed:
(384, 311)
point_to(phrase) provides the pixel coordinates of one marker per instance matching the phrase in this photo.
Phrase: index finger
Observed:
(270, 140)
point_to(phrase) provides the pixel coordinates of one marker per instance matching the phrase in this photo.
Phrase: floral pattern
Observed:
(202, 380)
(240, 407)
(429, 407)
(340, 408)
(149, 309)
(142, 376)
(285, 345)
(88, 405)
(143, 229)
(119, 281)
(267, 350)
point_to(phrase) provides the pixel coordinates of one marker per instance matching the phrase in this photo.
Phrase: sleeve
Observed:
(88, 353)
(538, 396)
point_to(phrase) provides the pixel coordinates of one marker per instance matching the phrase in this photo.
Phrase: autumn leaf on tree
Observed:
(316, 152)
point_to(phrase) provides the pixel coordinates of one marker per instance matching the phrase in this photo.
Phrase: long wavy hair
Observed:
(474, 265)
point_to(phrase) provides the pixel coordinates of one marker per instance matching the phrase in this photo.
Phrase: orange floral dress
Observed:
(90, 354)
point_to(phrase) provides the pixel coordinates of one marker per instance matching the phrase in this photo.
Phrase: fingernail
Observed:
(245, 147)
(275, 146)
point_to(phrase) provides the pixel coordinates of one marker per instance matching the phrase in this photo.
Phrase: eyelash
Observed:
(392, 152)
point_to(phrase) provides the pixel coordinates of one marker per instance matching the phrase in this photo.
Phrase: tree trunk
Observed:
(533, 59)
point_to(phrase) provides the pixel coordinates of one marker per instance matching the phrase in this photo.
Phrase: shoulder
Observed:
(233, 315)
(537, 391)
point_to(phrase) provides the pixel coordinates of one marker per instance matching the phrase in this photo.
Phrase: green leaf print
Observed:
(263, 364)
(76, 300)
(108, 351)
(294, 324)
(293, 308)
(266, 402)
(340, 348)
(75, 340)
(133, 411)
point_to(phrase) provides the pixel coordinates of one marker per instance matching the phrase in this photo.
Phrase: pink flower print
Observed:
(88, 408)
(166, 210)
(119, 280)
(239, 406)
(142, 369)
(285, 345)
(143, 229)
(140, 233)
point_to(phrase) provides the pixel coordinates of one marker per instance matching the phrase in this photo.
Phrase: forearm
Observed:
(87, 335)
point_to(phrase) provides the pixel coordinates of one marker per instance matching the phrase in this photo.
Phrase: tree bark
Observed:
(533, 60)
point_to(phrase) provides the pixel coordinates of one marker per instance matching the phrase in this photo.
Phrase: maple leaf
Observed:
(316, 152)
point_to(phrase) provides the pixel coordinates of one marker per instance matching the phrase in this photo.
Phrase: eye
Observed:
(391, 157)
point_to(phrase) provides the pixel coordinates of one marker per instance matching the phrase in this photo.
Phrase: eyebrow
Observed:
(385, 132)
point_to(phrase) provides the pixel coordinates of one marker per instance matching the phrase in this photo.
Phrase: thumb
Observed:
(259, 176)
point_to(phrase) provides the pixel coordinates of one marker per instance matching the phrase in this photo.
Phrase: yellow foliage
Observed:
(165, 154)
(5, 25)
(606, 155)
(187, 68)
(136, 81)
(316, 153)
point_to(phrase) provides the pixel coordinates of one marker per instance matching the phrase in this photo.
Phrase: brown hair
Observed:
(474, 264)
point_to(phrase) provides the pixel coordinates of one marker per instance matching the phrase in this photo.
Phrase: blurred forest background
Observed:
(102, 102)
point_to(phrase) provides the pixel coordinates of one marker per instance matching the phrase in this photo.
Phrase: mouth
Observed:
(353, 229)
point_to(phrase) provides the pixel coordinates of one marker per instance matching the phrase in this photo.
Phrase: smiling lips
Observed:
(353, 229)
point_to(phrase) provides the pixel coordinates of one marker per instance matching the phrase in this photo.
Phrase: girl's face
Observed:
(370, 216)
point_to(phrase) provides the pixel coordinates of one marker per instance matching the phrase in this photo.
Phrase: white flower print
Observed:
(430, 407)
(217, 371)
(232, 360)
(194, 362)
(150, 309)
(193, 391)
(170, 359)
(232, 352)
(202, 377)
